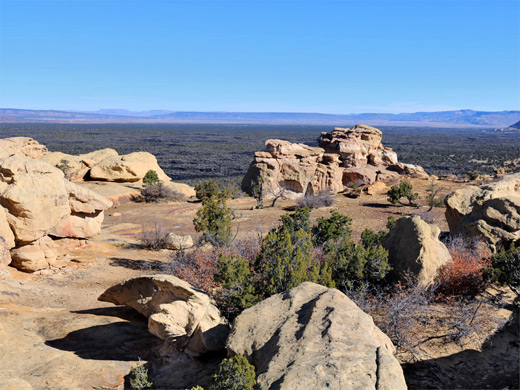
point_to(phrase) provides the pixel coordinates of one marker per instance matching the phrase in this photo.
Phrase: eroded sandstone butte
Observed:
(345, 157)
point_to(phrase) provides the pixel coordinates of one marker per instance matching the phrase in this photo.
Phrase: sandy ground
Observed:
(54, 334)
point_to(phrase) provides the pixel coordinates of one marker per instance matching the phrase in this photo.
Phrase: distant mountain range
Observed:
(459, 118)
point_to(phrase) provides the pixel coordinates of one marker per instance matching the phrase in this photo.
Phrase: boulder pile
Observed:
(345, 157)
(37, 202)
(490, 212)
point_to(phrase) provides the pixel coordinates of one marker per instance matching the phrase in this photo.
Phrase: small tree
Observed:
(64, 166)
(257, 191)
(139, 380)
(214, 221)
(505, 268)
(403, 190)
(209, 188)
(329, 230)
(235, 373)
(238, 292)
(433, 190)
(150, 178)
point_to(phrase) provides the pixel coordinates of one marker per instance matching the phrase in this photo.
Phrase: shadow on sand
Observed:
(496, 367)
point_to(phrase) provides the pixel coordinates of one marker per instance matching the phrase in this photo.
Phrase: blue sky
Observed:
(298, 56)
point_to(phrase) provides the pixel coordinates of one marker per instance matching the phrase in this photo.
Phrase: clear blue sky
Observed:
(299, 56)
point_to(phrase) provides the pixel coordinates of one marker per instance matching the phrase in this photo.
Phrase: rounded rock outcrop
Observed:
(313, 337)
(414, 248)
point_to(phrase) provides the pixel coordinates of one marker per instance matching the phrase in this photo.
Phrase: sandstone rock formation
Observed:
(414, 247)
(35, 256)
(345, 157)
(128, 168)
(296, 168)
(312, 337)
(184, 317)
(37, 202)
(490, 212)
(21, 147)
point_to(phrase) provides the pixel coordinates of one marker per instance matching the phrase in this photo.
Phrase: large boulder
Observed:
(414, 248)
(127, 168)
(73, 167)
(35, 196)
(21, 147)
(186, 318)
(38, 255)
(36, 202)
(490, 212)
(312, 337)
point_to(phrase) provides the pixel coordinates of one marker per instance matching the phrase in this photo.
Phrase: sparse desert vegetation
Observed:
(211, 253)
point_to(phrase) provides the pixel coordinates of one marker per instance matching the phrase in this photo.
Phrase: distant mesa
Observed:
(346, 157)
(457, 118)
(515, 126)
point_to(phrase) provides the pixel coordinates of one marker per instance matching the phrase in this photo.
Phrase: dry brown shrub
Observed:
(153, 237)
(463, 276)
(198, 266)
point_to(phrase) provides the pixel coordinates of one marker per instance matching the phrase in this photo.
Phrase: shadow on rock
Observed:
(122, 341)
(123, 312)
(496, 367)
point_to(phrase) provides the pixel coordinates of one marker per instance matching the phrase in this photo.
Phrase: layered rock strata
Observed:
(345, 157)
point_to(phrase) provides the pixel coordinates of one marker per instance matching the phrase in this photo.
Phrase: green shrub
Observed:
(371, 239)
(356, 266)
(391, 222)
(403, 190)
(331, 229)
(300, 219)
(139, 380)
(214, 221)
(505, 268)
(151, 178)
(235, 373)
(210, 188)
(64, 166)
(283, 261)
(238, 292)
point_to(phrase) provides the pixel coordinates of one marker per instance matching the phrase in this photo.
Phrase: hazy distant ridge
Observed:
(457, 118)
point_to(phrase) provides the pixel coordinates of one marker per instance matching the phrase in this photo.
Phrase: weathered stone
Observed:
(128, 168)
(175, 241)
(35, 196)
(182, 189)
(5, 231)
(35, 256)
(490, 212)
(312, 337)
(73, 167)
(414, 247)
(21, 147)
(184, 317)
(345, 157)
(295, 169)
